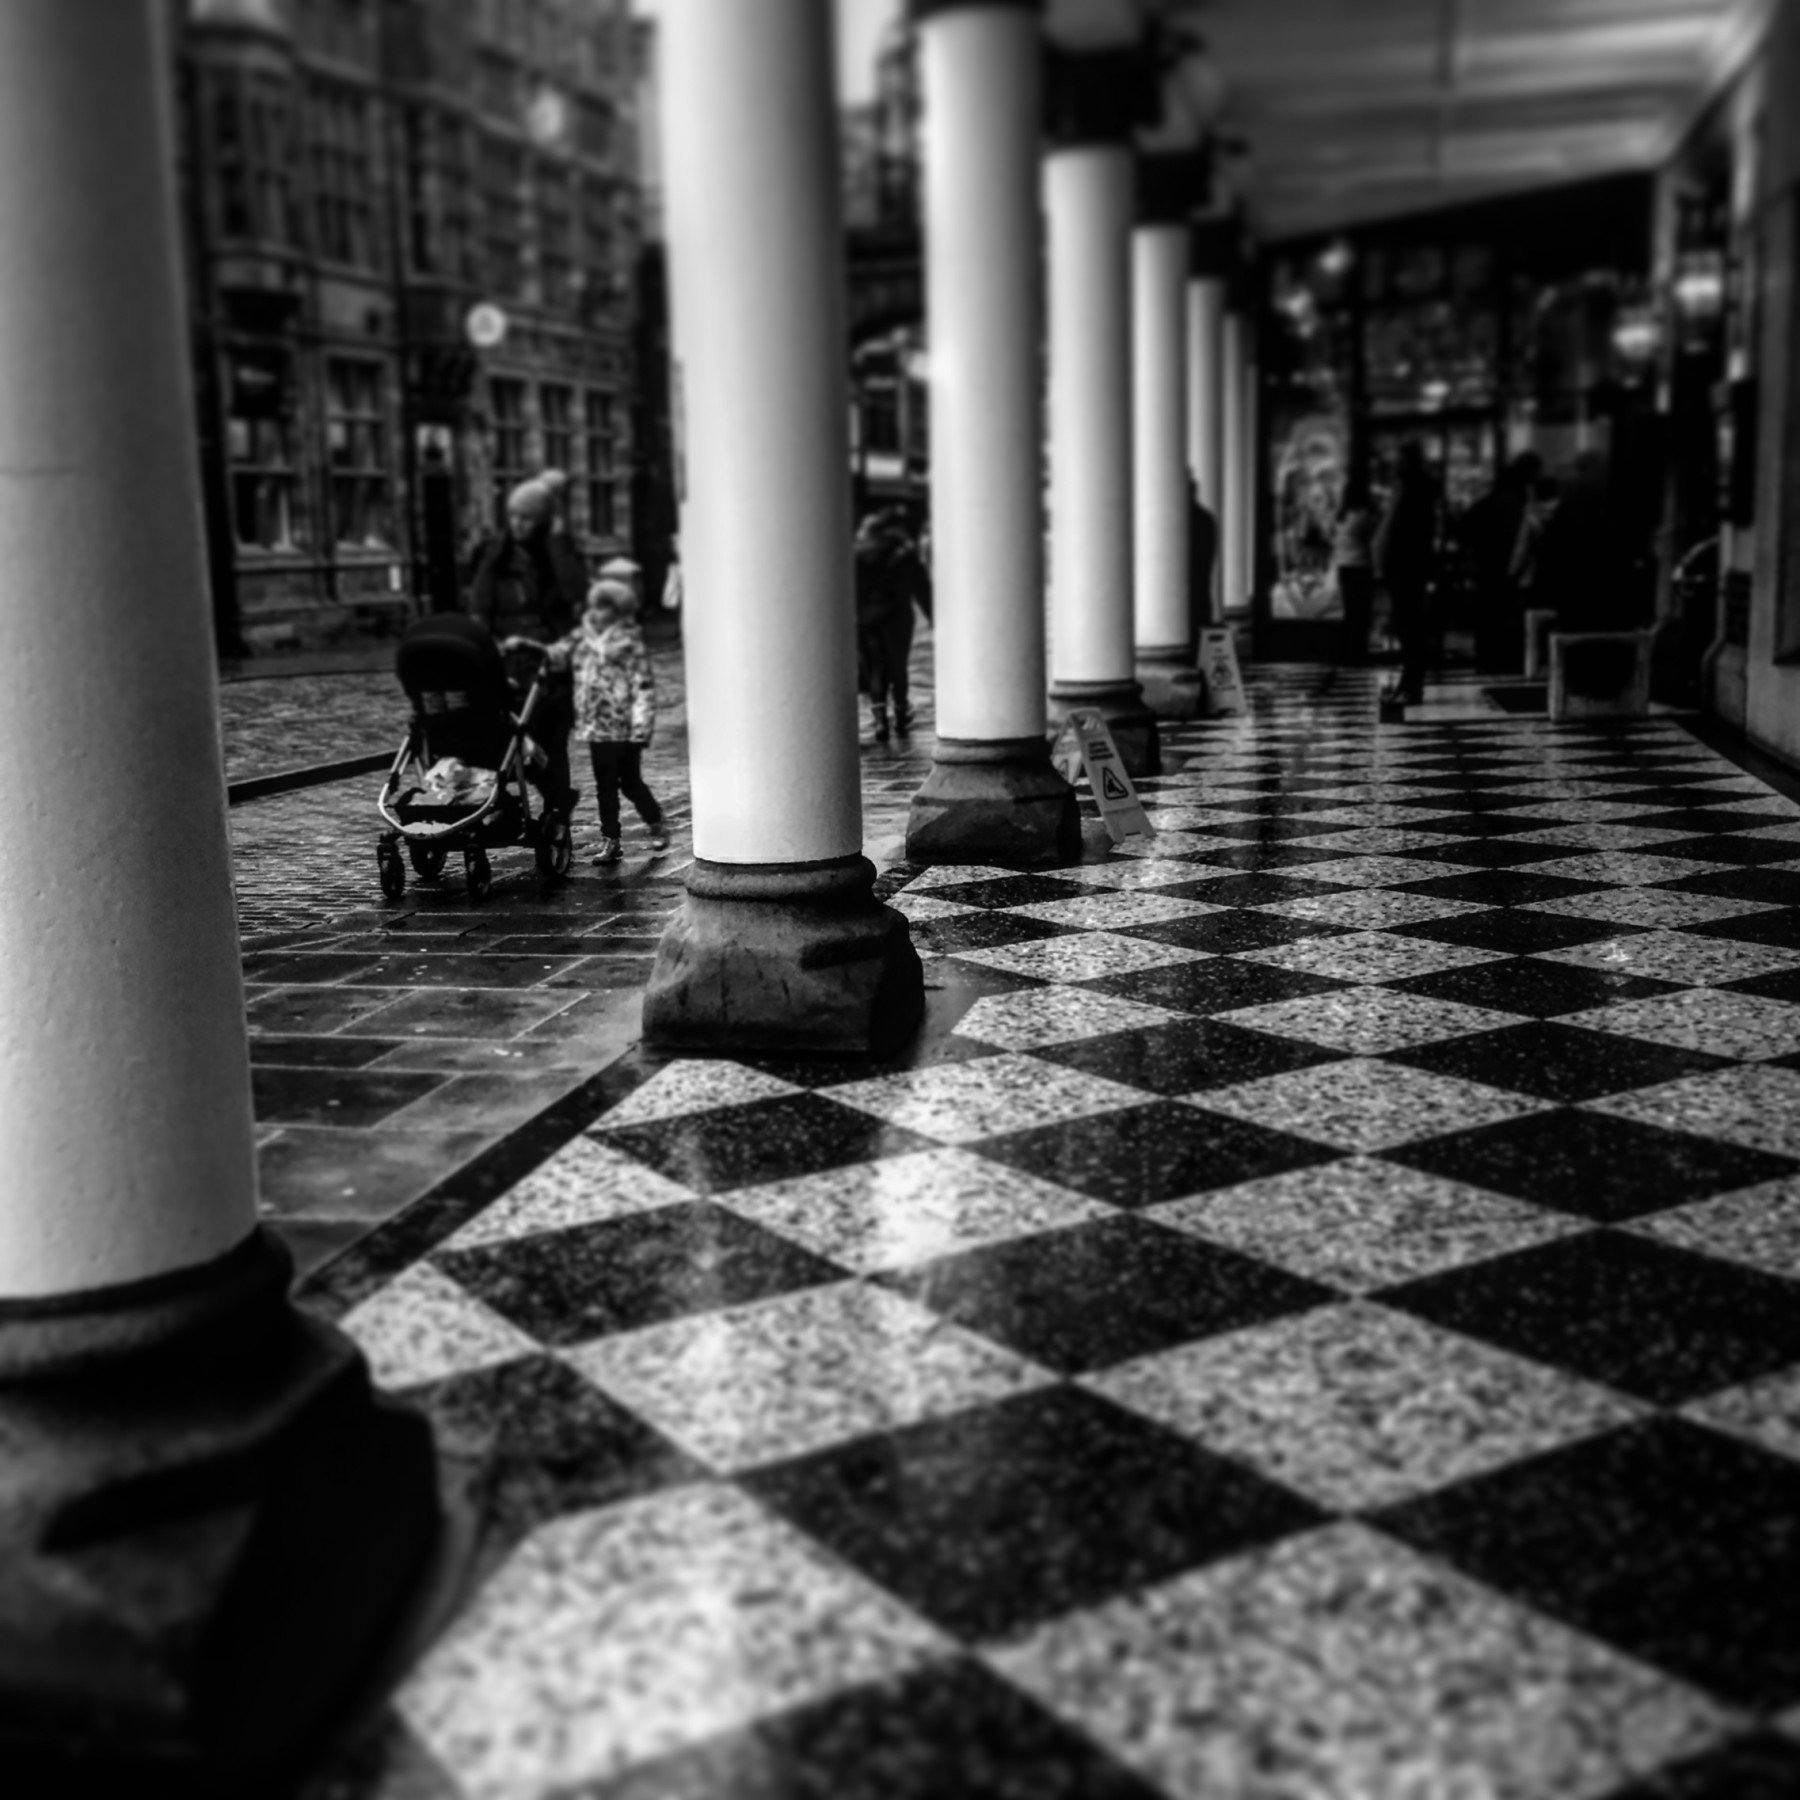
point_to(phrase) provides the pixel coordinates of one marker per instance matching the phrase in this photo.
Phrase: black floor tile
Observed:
(763, 1140)
(1227, 933)
(993, 1520)
(525, 1441)
(1780, 984)
(335, 1096)
(1490, 823)
(1189, 1054)
(952, 975)
(1778, 887)
(1607, 1536)
(1517, 932)
(1088, 1296)
(1747, 848)
(1144, 1155)
(1696, 821)
(1274, 830)
(1759, 1766)
(309, 1052)
(1665, 1324)
(1499, 887)
(1486, 852)
(1558, 1062)
(1011, 890)
(1255, 858)
(1214, 984)
(1261, 889)
(979, 931)
(1592, 1164)
(949, 1731)
(565, 1287)
(1780, 929)
(1536, 988)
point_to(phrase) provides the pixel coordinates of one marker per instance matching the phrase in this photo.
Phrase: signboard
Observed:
(1085, 745)
(1219, 670)
(485, 325)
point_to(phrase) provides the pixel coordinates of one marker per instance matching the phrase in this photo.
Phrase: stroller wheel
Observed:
(477, 872)
(391, 868)
(427, 860)
(556, 848)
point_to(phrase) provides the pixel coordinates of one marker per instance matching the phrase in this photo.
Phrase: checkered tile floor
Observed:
(1317, 1315)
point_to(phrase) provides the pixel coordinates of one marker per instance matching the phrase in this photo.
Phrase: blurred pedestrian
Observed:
(1353, 560)
(1406, 557)
(529, 592)
(890, 579)
(615, 711)
(1203, 553)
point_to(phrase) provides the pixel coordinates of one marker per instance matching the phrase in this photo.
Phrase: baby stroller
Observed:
(459, 781)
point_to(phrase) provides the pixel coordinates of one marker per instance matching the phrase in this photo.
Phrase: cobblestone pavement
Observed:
(407, 1048)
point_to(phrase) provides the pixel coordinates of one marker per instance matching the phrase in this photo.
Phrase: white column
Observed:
(1162, 606)
(756, 289)
(983, 308)
(126, 1143)
(1206, 401)
(1234, 586)
(1088, 191)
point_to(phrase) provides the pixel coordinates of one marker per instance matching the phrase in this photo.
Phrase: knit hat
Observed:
(621, 568)
(555, 485)
(530, 498)
(617, 597)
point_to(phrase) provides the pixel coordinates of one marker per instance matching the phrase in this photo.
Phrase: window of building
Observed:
(601, 420)
(501, 169)
(265, 484)
(557, 412)
(555, 235)
(343, 174)
(356, 452)
(506, 399)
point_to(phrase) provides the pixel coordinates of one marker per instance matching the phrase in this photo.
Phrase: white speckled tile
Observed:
(1758, 1226)
(1358, 1407)
(1629, 868)
(1767, 1412)
(1703, 1018)
(911, 1209)
(1787, 833)
(1369, 1021)
(1080, 957)
(959, 1102)
(1339, 1665)
(1648, 906)
(1596, 838)
(784, 1377)
(583, 1183)
(423, 1327)
(1374, 840)
(1159, 844)
(1198, 818)
(1755, 1105)
(1363, 1104)
(1138, 872)
(1592, 811)
(1369, 908)
(1115, 910)
(926, 906)
(1375, 871)
(1361, 1223)
(954, 875)
(1055, 1015)
(1369, 956)
(694, 1085)
(613, 1636)
(1678, 956)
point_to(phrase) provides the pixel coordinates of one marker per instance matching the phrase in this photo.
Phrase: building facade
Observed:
(412, 231)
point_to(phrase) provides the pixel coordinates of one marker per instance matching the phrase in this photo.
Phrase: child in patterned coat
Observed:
(615, 709)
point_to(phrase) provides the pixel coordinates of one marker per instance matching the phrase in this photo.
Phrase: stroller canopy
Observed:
(455, 677)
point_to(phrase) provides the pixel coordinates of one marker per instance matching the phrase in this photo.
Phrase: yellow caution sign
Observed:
(1219, 670)
(1120, 809)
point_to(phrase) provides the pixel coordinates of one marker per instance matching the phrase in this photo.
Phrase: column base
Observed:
(211, 1531)
(795, 958)
(1121, 705)
(994, 800)
(1171, 682)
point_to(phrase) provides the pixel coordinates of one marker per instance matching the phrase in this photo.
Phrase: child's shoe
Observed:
(659, 837)
(882, 729)
(608, 852)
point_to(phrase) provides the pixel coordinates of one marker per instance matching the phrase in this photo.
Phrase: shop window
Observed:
(506, 399)
(502, 219)
(356, 452)
(265, 484)
(600, 452)
(343, 175)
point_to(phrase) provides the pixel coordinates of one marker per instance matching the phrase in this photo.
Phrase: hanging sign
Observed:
(1121, 811)
(1219, 670)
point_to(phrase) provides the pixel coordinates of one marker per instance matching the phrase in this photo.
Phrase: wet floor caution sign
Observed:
(1085, 746)
(1219, 670)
